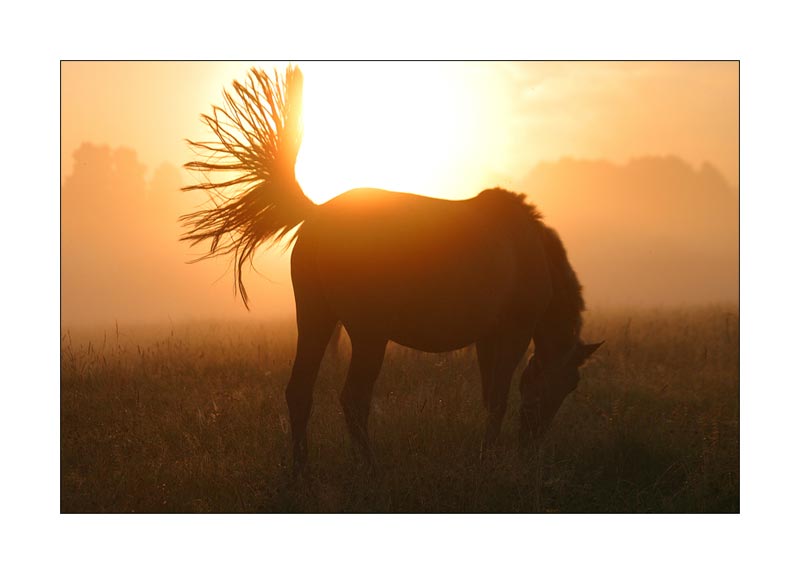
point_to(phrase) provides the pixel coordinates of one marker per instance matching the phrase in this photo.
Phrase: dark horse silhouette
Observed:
(430, 274)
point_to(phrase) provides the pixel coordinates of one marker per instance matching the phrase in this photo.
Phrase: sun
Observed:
(396, 126)
(431, 128)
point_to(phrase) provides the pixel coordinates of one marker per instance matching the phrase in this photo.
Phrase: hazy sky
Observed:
(437, 128)
(653, 231)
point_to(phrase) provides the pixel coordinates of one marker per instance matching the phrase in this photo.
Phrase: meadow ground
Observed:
(191, 418)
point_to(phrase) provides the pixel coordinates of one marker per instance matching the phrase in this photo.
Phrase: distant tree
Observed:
(106, 190)
(654, 230)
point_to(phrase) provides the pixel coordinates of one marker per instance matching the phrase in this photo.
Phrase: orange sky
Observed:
(445, 129)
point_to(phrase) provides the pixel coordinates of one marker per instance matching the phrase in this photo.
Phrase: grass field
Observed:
(191, 418)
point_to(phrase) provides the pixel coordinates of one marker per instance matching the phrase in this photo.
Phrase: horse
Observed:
(431, 274)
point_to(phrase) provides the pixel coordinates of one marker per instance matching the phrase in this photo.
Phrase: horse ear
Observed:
(586, 350)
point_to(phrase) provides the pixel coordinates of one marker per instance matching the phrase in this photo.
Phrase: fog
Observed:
(655, 231)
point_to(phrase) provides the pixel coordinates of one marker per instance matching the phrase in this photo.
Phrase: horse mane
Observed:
(567, 305)
(563, 317)
(511, 202)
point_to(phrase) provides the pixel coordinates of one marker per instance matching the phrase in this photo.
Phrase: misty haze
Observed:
(651, 232)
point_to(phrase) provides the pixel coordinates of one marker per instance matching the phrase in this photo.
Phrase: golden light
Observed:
(398, 126)
(439, 129)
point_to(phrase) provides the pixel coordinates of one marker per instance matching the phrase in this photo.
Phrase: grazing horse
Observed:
(436, 276)
(430, 274)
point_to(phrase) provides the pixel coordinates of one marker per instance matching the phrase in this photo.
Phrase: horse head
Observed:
(545, 384)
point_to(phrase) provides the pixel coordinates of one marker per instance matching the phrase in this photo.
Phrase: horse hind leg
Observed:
(315, 324)
(356, 396)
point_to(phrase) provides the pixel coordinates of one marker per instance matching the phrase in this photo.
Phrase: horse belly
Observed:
(435, 301)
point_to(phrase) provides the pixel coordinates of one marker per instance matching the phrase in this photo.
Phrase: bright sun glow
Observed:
(436, 129)
(391, 126)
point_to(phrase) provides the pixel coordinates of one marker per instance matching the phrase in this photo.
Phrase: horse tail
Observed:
(248, 170)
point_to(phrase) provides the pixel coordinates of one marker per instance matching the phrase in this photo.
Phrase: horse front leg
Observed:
(498, 357)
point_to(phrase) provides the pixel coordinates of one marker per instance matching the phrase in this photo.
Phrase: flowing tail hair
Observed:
(248, 170)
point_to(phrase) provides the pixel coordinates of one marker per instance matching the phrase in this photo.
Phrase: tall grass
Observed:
(191, 418)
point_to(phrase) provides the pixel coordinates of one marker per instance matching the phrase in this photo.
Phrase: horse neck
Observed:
(559, 329)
